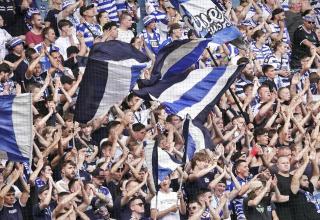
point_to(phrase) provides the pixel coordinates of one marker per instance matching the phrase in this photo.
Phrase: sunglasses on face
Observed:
(140, 204)
(311, 22)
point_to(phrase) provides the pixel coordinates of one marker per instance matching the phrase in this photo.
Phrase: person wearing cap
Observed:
(34, 36)
(279, 30)
(151, 34)
(175, 33)
(304, 39)
(124, 32)
(89, 29)
(16, 51)
(162, 20)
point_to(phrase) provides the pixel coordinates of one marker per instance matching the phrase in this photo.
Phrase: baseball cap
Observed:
(308, 18)
(85, 8)
(66, 3)
(148, 19)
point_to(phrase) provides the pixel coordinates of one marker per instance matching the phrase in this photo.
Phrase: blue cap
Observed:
(14, 42)
(32, 11)
(66, 3)
(148, 19)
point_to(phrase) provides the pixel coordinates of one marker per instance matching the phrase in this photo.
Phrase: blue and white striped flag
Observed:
(16, 127)
(207, 18)
(179, 56)
(193, 93)
(166, 164)
(111, 72)
(196, 136)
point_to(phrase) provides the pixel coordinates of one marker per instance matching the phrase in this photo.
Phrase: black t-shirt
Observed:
(52, 18)
(11, 213)
(44, 214)
(121, 212)
(192, 188)
(11, 57)
(262, 211)
(298, 48)
(284, 209)
(7, 13)
(302, 207)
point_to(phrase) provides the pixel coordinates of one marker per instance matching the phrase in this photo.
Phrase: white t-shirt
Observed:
(63, 43)
(4, 38)
(165, 201)
(125, 36)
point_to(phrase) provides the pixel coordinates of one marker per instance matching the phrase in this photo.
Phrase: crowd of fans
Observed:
(265, 163)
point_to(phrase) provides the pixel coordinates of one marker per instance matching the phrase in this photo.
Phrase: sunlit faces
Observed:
(283, 164)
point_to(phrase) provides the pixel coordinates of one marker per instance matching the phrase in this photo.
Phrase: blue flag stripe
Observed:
(197, 92)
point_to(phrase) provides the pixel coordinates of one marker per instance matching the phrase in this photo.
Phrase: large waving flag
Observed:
(179, 56)
(16, 127)
(111, 72)
(207, 19)
(196, 136)
(163, 164)
(193, 93)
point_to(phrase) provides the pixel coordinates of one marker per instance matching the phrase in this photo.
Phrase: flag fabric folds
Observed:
(196, 136)
(163, 164)
(193, 93)
(207, 18)
(108, 78)
(178, 56)
(16, 127)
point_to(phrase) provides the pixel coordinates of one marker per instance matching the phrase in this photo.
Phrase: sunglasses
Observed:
(140, 204)
(311, 22)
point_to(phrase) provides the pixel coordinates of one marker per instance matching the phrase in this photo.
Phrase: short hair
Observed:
(64, 22)
(109, 25)
(200, 156)
(43, 188)
(237, 164)
(170, 117)
(263, 86)
(29, 52)
(4, 67)
(45, 31)
(34, 15)
(71, 50)
(123, 16)
(266, 68)
(138, 127)
(65, 163)
(257, 34)
(243, 60)
(64, 193)
(106, 144)
(245, 87)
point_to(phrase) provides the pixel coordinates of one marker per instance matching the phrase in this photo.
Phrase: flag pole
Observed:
(213, 59)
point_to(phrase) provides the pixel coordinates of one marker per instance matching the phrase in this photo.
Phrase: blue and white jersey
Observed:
(278, 63)
(109, 6)
(233, 51)
(238, 201)
(285, 5)
(240, 83)
(44, 61)
(88, 36)
(300, 85)
(316, 9)
(261, 53)
(266, 10)
(121, 5)
(152, 40)
(311, 198)
(275, 29)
